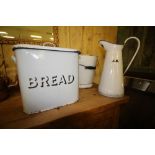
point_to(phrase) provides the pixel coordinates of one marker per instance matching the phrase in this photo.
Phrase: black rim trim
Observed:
(14, 48)
(88, 67)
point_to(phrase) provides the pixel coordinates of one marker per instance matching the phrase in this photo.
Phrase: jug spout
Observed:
(110, 46)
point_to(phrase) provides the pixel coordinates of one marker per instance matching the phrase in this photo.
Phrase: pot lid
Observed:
(48, 48)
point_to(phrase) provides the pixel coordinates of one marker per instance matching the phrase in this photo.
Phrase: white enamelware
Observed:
(48, 76)
(87, 66)
(111, 82)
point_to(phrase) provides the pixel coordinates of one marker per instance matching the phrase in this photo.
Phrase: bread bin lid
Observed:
(47, 48)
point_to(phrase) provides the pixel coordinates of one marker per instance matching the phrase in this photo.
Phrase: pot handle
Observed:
(88, 67)
(16, 82)
(138, 46)
(13, 58)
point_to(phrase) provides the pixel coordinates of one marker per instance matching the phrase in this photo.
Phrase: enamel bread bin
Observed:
(48, 76)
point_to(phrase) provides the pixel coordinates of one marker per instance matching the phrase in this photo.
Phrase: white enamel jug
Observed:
(112, 82)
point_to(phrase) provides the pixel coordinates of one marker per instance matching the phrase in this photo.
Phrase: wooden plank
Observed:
(86, 39)
(98, 51)
(76, 36)
(98, 118)
(12, 116)
(116, 117)
(64, 37)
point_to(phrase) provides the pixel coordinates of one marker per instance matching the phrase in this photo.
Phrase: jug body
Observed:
(111, 82)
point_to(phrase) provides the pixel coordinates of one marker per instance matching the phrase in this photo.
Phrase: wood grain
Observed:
(12, 115)
(98, 118)
(86, 39)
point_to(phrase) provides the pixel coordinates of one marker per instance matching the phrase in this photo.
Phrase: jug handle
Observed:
(138, 41)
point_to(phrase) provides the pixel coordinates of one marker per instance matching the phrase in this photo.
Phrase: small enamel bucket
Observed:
(87, 66)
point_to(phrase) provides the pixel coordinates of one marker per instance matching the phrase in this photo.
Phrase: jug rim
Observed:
(110, 42)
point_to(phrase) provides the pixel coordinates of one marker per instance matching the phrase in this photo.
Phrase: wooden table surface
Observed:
(12, 115)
